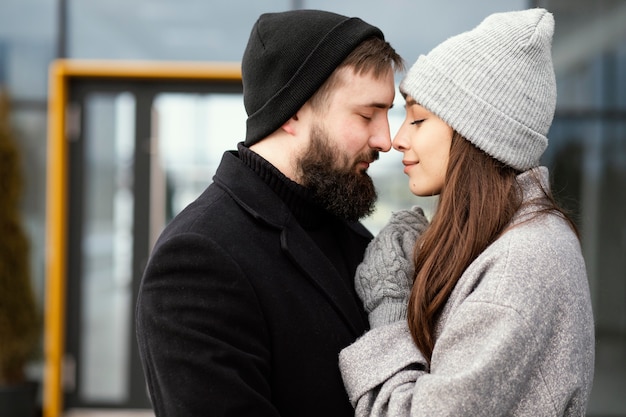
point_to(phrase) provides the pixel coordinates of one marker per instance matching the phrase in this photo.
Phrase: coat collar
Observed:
(256, 198)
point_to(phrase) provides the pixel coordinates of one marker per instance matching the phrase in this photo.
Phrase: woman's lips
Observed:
(408, 165)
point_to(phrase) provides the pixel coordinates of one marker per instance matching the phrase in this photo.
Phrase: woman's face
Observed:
(425, 141)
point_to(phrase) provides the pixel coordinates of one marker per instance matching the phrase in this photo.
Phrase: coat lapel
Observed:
(262, 203)
(298, 246)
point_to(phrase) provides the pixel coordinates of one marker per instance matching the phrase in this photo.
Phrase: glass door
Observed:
(138, 153)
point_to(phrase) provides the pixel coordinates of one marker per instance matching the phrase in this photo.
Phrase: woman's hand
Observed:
(383, 280)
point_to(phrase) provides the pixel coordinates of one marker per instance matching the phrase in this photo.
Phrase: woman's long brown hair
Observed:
(477, 202)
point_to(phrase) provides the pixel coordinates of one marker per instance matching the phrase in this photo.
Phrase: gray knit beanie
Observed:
(494, 85)
(288, 57)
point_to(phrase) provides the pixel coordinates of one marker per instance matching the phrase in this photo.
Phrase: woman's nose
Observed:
(399, 141)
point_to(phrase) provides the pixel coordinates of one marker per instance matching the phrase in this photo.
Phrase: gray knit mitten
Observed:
(383, 280)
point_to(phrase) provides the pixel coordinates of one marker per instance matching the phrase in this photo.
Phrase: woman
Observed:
(499, 318)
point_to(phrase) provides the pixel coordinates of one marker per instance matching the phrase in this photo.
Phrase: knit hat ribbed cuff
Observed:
(483, 125)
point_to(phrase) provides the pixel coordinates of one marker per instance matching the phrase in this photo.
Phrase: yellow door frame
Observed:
(61, 72)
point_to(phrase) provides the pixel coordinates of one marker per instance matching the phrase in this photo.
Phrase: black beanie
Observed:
(288, 57)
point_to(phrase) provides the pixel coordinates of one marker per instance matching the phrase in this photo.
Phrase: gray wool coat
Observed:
(516, 337)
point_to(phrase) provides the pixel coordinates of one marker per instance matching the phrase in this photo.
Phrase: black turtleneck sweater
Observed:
(326, 230)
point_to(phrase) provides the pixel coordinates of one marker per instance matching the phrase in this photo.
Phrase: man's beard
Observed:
(336, 184)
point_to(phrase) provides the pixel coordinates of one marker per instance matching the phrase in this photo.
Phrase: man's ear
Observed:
(291, 125)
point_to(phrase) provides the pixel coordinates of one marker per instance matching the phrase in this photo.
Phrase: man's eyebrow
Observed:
(383, 106)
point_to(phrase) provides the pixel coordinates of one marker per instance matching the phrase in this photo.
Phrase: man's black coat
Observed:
(239, 311)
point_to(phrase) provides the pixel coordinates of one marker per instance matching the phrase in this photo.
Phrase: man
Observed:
(248, 296)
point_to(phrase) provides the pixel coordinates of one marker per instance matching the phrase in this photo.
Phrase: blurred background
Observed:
(189, 130)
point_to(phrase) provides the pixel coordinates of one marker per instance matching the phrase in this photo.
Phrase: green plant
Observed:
(20, 322)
